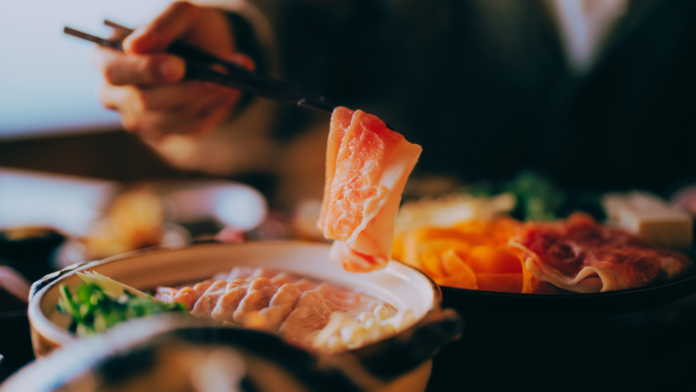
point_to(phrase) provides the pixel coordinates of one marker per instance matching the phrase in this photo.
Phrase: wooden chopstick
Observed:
(198, 63)
(117, 26)
(99, 41)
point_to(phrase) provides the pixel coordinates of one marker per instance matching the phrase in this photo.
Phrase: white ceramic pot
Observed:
(401, 285)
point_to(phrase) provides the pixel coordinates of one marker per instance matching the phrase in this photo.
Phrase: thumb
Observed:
(173, 23)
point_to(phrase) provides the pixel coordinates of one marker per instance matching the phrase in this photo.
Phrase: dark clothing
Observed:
(484, 86)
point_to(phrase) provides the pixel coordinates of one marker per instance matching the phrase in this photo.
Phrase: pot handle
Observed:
(410, 348)
(50, 278)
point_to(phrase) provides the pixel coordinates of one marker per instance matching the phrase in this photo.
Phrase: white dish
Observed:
(401, 285)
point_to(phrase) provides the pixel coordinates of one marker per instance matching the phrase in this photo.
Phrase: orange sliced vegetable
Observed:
(492, 259)
(448, 269)
(456, 256)
(505, 283)
(432, 265)
(527, 284)
(414, 246)
(454, 265)
(460, 282)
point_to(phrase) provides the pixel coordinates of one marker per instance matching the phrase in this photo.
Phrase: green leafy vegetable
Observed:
(538, 198)
(94, 311)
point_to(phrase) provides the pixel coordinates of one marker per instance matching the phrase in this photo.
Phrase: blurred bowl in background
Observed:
(110, 218)
(67, 204)
(30, 249)
(233, 204)
(182, 354)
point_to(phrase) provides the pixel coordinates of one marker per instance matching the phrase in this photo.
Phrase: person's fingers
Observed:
(120, 69)
(122, 100)
(206, 28)
(243, 60)
(213, 114)
(154, 125)
(113, 97)
(222, 98)
(195, 116)
(173, 23)
(186, 96)
(204, 116)
(188, 99)
(118, 35)
(179, 95)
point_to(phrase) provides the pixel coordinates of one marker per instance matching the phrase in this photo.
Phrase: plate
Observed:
(397, 358)
(476, 302)
(402, 286)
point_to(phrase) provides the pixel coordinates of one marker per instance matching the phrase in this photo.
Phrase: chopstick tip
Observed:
(117, 26)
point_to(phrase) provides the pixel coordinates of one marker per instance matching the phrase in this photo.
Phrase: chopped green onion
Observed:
(93, 311)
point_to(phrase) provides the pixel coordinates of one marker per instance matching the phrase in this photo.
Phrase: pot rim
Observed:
(59, 336)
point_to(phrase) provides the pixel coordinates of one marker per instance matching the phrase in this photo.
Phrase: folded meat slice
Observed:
(239, 273)
(282, 303)
(204, 285)
(261, 272)
(248, 273)
(339, 299)
(185, 296)
(583, 256)
(367, 166)
(166, 294)
(297, 308)
(349, 302)
(310, 315)
(305, 284)
(259, 295)
(205, 305)
(229, 302)
(233, 301)
(284, 277)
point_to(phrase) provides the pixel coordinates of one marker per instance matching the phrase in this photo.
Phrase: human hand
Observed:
(145, 84)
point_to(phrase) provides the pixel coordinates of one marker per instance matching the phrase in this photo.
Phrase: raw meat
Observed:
(367, 166)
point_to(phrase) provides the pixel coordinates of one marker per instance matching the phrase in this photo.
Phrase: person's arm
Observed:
(144, 84)
(221, 131)
(193, 125)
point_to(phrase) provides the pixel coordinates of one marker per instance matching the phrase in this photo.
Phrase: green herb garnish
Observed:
(93, 311)
(538, 198)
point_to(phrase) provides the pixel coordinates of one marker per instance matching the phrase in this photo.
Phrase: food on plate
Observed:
(473, 254)
(367, 166)
(655, 221)
(494, 252)
(303, 311)
(580, 255)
